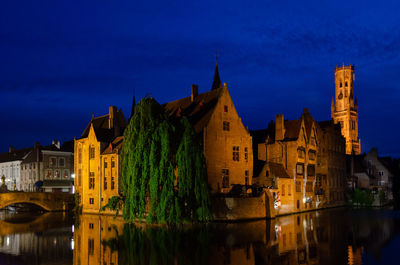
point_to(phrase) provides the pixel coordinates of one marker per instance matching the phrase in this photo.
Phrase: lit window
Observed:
(300, 169)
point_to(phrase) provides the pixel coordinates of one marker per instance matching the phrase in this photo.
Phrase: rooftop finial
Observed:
(217, 80)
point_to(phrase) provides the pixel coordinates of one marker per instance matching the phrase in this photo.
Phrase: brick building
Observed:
(226, 142)
(331, 169)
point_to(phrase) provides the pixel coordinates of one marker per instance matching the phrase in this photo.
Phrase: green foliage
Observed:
(362, 198)
(115, 203)
(193, 188)
(157, 245)
(154, 148)
(77, 207)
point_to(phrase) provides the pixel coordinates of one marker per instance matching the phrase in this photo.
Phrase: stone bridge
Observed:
(48, 201)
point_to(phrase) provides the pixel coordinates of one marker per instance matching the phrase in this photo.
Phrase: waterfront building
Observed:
(292, 145)
(226, 142)
(369, 171)
(97, 160)
(344, 108)
(331, 169)
(10, 167)
(48, 168)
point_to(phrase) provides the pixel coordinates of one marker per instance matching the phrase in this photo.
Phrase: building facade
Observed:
(344, 108)
(331, 169)
(97, 160)
(10, 167)
(294, 146)
(48, 168)
(226, 142)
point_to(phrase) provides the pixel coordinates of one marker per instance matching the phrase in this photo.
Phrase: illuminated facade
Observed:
(97, 160)
(344, 108)
(293, 145)
(226, 142)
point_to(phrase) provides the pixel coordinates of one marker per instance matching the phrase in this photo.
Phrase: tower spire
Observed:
(217, 80)
(133, 105)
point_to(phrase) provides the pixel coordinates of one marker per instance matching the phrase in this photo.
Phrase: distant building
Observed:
(344, 108)
(48, 168)
(226, 142)
(97, 160)
(369, 171)
(10, 167)
(331, 169)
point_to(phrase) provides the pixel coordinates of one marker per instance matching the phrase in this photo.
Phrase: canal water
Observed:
(337, 236)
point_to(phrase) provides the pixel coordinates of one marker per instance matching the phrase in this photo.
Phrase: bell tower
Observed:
(344, 108)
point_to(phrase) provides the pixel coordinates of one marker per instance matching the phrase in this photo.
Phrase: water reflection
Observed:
(326, 237)
(32, 238)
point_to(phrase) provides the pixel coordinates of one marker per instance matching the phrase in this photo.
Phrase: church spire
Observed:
(217, 80)
(133, 105)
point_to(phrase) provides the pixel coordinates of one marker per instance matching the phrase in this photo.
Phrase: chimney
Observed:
(279, 127)
(56, 143)
(11, 149)
(195, 92)
(112, 111)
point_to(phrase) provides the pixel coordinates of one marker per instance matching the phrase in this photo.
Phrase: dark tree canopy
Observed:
(164, 176)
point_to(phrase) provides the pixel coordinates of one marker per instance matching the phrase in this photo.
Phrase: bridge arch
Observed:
(47, 201)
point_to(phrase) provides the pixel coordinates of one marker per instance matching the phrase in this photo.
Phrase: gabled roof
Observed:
(101, 127)
(115, 146)
(198, 111)
(14, 155)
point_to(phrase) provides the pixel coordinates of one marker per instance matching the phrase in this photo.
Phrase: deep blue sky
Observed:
(62, 60)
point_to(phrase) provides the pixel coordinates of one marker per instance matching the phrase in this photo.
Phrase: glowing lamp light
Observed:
(73, 176)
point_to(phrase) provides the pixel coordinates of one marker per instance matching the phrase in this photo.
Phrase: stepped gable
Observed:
(198, 110)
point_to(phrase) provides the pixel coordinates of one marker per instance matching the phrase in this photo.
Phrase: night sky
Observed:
(62, 60)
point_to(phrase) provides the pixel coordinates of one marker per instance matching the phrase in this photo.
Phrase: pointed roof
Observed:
(133, 106)
(217, 80)
(101, 127)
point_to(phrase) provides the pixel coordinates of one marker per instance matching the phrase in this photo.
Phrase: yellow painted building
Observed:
(97, 160)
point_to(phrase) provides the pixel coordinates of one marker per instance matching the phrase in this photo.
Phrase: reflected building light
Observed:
(55, 241)
(72, 244)
(73, 228)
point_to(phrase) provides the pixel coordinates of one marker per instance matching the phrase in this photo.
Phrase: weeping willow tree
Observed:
(154, 151)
